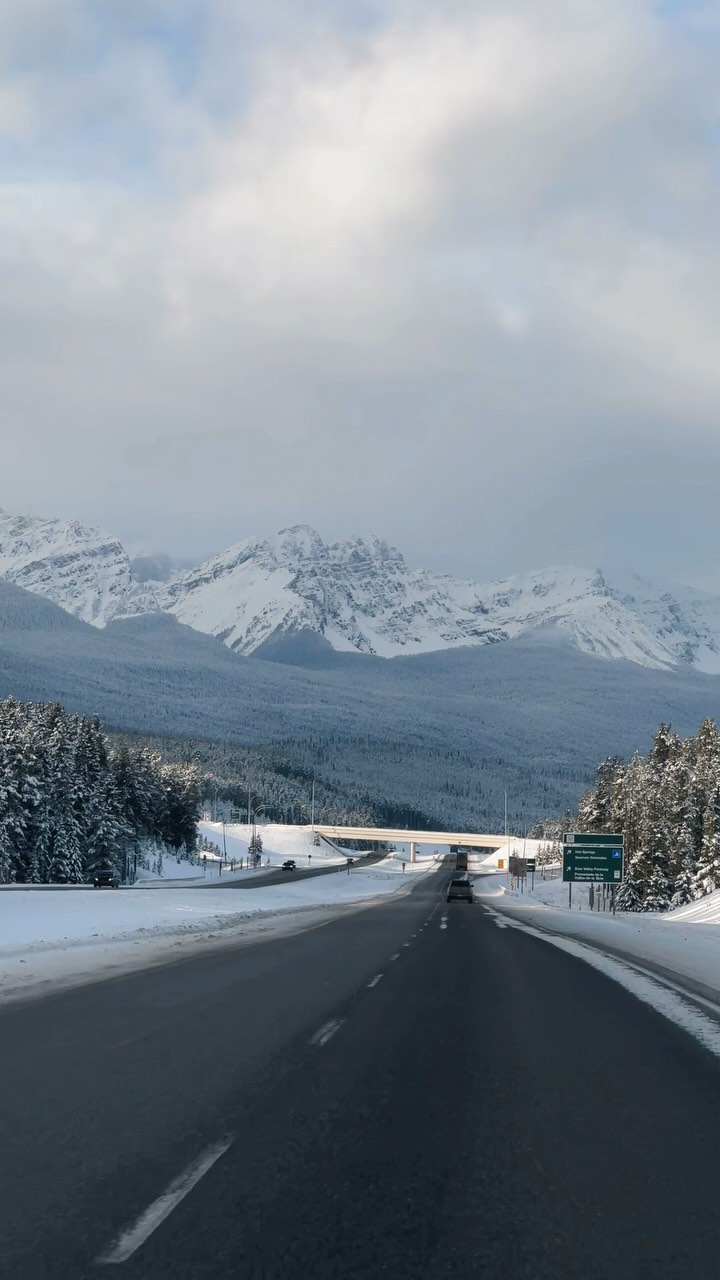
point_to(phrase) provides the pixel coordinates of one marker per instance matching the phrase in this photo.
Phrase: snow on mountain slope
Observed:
(358, 595)
(685, 620)
(78, 567)
(361, 595)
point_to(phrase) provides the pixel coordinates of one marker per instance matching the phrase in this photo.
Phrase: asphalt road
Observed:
(261, 879)
(489, 1107)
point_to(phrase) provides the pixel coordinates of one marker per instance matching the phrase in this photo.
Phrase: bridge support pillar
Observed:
(413, 851)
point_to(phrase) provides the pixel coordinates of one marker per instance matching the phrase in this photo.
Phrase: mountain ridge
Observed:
(357, 595)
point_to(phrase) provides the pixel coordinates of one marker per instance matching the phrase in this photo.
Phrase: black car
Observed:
(460, 889)
(106, 880)
(289, 865)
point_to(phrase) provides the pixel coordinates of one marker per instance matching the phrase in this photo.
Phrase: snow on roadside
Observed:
(51, 938)
(279, 842)
(685, 942)
(172, 869)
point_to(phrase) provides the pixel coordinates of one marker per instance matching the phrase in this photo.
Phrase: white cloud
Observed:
(427, 243)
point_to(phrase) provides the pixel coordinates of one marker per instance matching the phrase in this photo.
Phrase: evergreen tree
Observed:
(707, 873)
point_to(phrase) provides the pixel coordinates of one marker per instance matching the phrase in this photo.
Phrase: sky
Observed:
(446, 271)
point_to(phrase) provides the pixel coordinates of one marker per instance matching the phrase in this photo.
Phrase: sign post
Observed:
(591, 857)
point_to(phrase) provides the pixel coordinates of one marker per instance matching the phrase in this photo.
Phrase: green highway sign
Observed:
(593, 858)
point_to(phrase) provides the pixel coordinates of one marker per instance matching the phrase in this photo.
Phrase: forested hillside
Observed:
(667, 805)
(280, 780)
(70, 805)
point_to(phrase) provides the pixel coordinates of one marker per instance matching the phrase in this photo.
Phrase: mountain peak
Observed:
(79, 567)
(360, 595)
(297, 543)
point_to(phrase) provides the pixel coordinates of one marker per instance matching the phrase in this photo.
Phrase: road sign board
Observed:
(530, 863)
(593, 858)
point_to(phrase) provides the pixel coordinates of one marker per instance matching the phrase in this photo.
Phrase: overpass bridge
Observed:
(469, 839)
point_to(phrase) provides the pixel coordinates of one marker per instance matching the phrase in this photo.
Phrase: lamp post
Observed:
(507, 841)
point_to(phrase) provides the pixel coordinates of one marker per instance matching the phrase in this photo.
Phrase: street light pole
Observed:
(507, 841)
(312, 814)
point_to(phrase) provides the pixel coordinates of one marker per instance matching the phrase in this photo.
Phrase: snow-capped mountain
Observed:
(80, 568)
(358, 595)
(361, 595)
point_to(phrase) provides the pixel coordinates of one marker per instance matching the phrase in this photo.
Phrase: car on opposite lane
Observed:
(289, 865)
(106, 879)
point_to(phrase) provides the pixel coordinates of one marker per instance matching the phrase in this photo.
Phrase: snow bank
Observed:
(706, 911)
(49, 938)
(684, 943)
(171, 870)
(279, 842)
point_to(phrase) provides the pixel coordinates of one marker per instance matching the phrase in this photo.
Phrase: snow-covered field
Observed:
(51, 938)
(279, 842)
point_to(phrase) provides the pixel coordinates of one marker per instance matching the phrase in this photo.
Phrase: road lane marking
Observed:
(396, 956)
(375, 980)
(443, 922)
(665, 999)
(406, 944)
(326, 1032)
(130, 1240)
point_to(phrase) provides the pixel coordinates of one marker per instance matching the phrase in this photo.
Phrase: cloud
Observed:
(393, 267)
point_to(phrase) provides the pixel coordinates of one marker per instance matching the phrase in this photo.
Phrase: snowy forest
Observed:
(667, 805)
(71, 805)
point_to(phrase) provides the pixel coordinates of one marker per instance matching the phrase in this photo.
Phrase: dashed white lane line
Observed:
(443, 922)
(130, 1240)
(375, 980)
(406, 944)
(326, 1032)
(396, 956)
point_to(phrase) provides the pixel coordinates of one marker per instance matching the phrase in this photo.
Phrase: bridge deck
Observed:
(471, 840)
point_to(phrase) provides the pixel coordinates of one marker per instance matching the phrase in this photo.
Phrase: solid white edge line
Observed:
(375, 980)
(713, 1005)
(130, 1240)
(664, 998)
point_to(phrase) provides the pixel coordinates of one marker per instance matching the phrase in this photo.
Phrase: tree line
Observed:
(71, 805)
(667, 806)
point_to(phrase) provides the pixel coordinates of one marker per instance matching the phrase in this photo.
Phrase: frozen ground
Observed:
(684, 943)
(279, 842)
(51, 938)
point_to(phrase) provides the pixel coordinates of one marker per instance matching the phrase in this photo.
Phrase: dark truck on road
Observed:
(461, 859)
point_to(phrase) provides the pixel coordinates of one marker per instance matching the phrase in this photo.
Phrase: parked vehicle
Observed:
(106, 880)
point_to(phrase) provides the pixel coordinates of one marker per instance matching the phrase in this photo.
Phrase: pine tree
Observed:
(707, 873)
(628, 897)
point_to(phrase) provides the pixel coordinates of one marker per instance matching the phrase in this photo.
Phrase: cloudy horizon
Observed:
(442, 272)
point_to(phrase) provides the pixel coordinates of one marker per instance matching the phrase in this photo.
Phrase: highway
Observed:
(260, 879)
(412, 1090)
